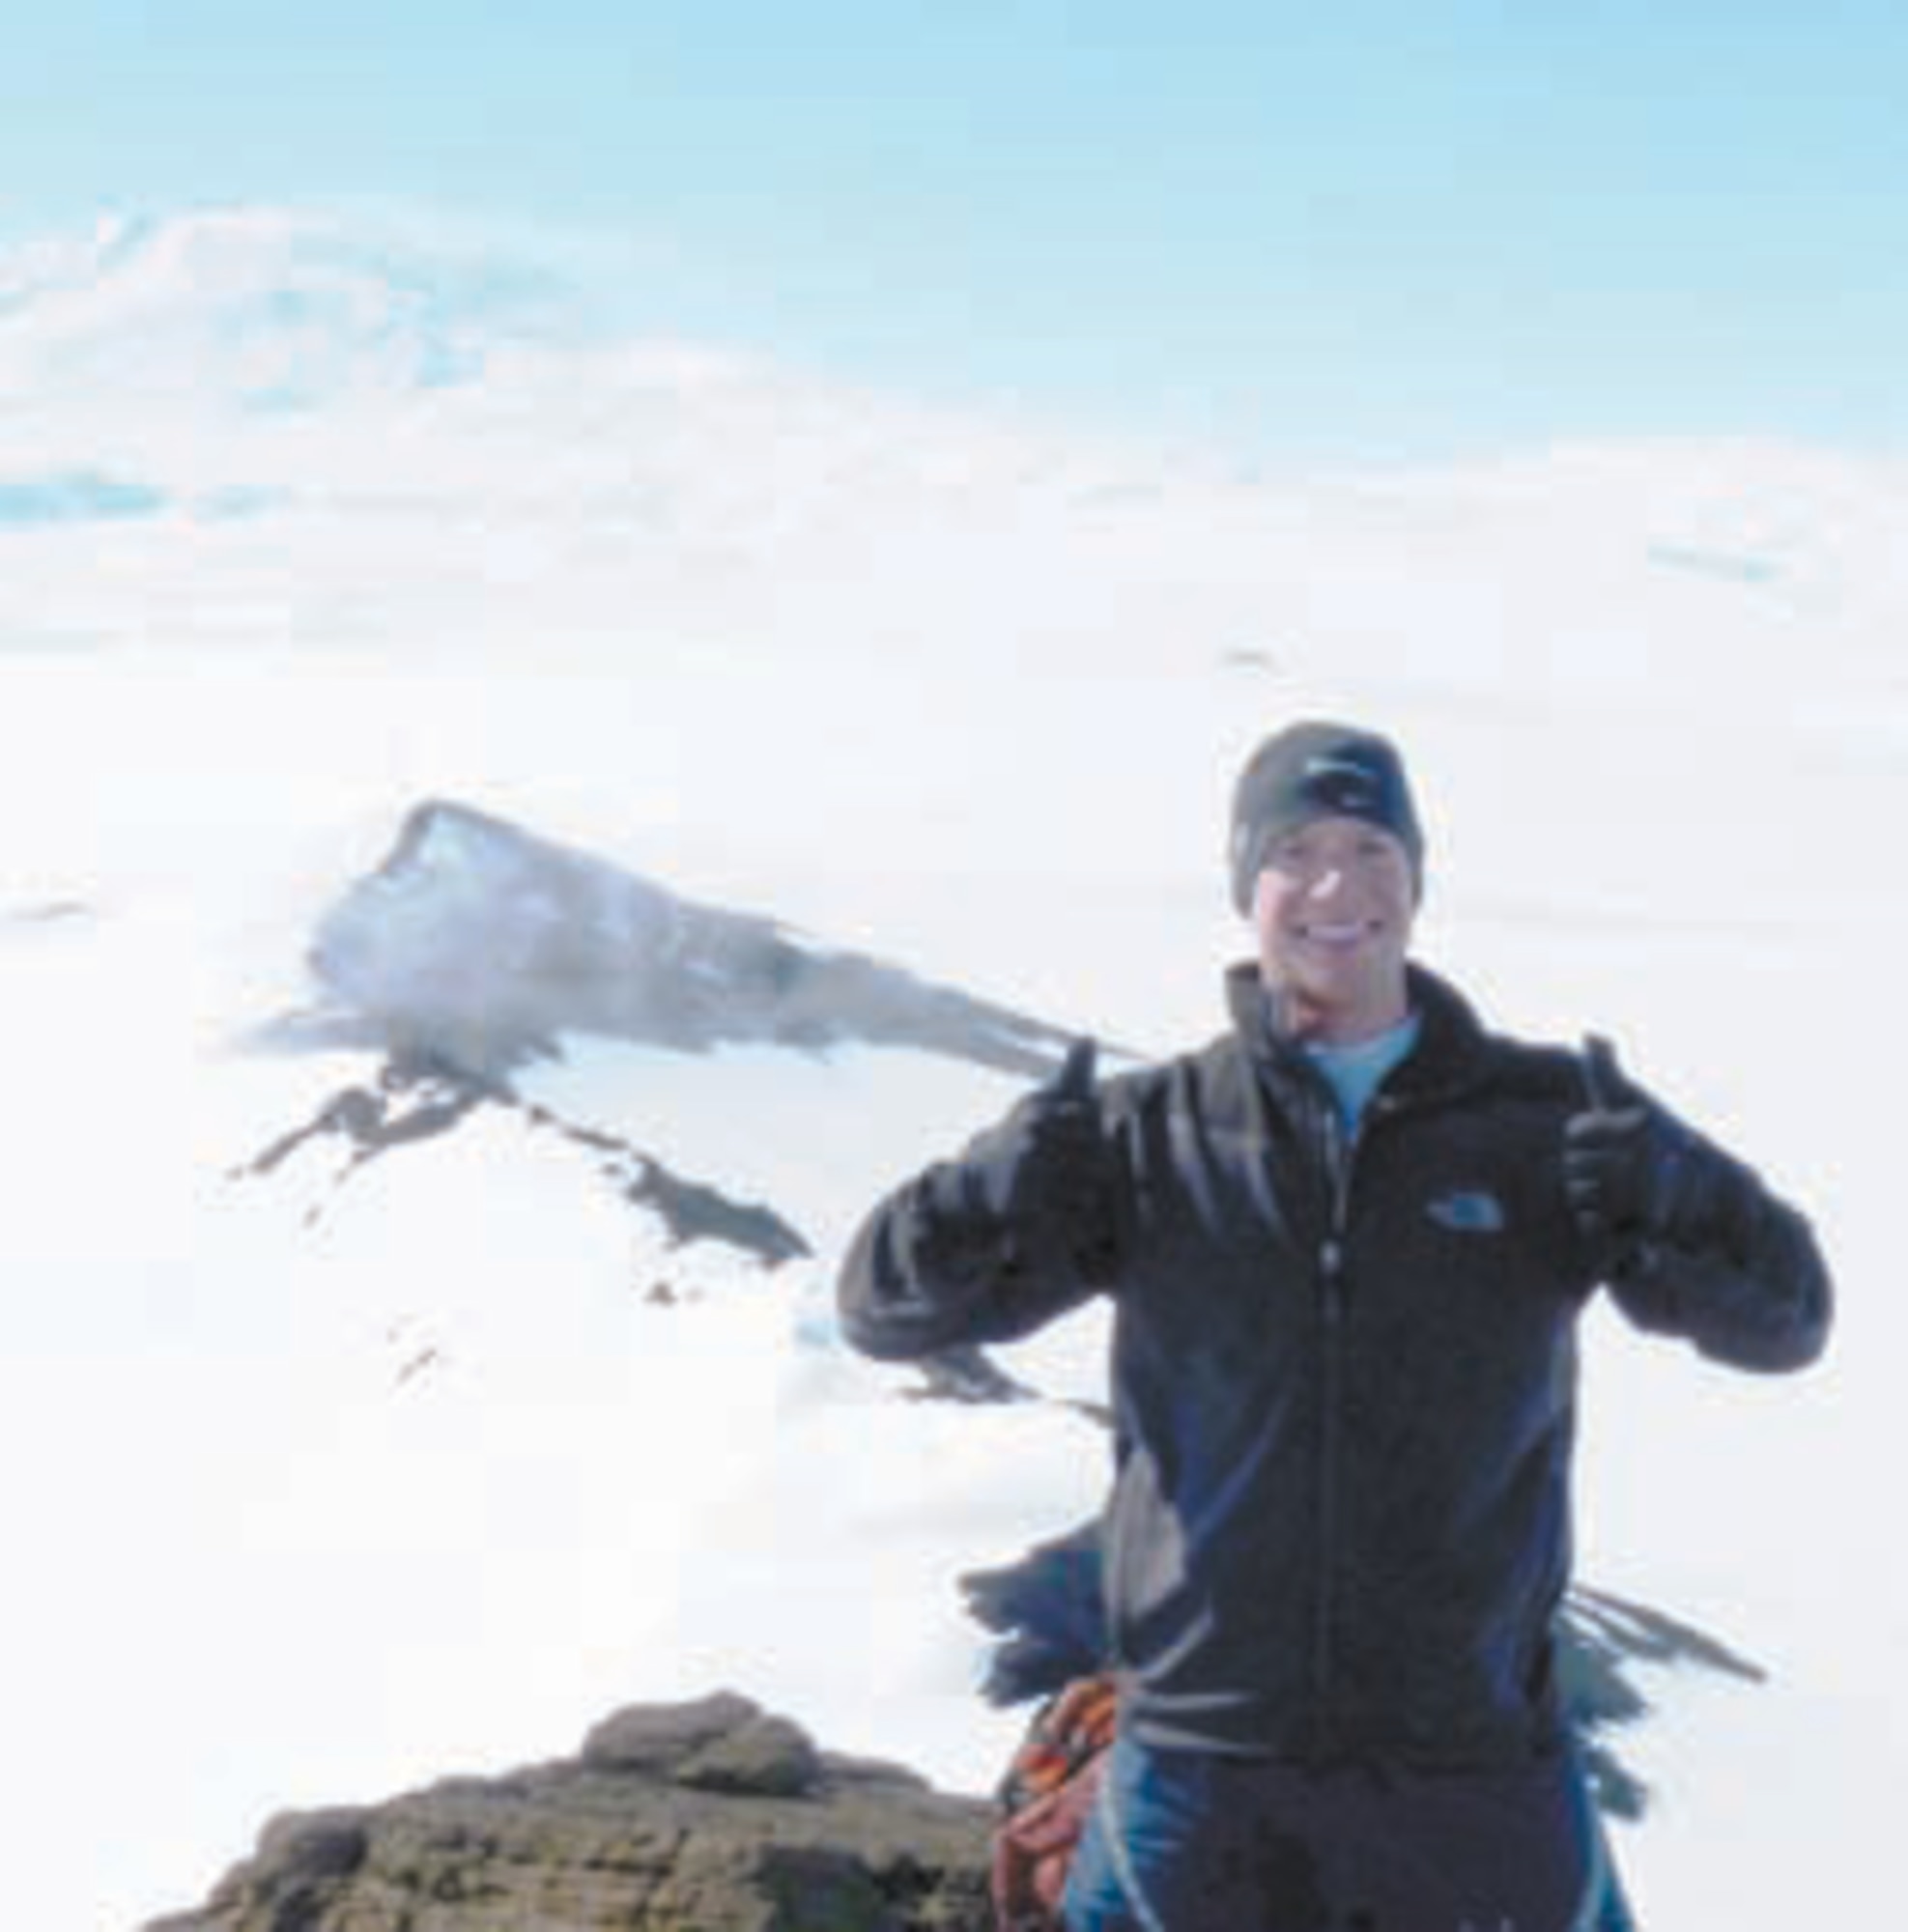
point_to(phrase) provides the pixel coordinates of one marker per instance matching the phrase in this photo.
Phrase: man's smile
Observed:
(1337, 932)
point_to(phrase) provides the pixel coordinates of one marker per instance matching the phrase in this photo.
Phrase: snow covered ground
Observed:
(314, 1487)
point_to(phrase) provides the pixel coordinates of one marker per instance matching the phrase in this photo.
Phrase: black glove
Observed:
(1055, 1185)
(1634, 1176)
(1039, 1189)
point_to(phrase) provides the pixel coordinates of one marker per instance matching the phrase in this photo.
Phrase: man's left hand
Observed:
(1631, 1174)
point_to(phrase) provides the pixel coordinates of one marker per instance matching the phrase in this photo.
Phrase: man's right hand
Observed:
(1058, 1180)
(1039, 1189)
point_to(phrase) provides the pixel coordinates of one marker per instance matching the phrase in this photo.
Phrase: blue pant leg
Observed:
(1193, 1841)
(1187, 1841)
(1148, 1822)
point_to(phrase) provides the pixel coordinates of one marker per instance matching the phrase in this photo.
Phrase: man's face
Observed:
(1333, 908)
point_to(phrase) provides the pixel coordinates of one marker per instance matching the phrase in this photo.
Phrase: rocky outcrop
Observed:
(479, 945)
(712, 1816)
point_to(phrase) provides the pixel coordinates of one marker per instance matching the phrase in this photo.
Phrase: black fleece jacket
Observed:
(1344, 1376)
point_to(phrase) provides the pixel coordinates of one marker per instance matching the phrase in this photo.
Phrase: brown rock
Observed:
(765, 1757)
(711, 1816)
(658, 1737)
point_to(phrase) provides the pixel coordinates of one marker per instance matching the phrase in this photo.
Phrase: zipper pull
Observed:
(1331, 1262)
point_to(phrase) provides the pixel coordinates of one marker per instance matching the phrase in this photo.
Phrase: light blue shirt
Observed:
(1356, 1072)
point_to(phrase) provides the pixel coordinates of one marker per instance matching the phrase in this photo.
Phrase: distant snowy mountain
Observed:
(455, 373)
(253, 309)
(247, 361)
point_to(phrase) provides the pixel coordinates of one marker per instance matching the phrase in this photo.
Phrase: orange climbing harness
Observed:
(1045, 1800)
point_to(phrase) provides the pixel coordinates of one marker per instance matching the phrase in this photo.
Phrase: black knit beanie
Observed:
(1317, 770)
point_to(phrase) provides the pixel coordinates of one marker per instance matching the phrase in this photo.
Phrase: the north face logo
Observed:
(1342, 784)
(1468, 1211)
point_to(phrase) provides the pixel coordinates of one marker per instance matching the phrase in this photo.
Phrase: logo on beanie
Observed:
(1342, 784)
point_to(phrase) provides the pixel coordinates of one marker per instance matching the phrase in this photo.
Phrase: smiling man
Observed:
(1326, 859)
(1347, 1245)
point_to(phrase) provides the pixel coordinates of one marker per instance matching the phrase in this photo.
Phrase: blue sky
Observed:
(1373, 226)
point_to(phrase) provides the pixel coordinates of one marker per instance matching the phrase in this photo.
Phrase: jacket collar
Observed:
(1452, 1045)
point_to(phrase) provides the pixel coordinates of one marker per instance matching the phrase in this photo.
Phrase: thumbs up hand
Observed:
(1038, 1189)
(1631, 1174)
(1610, 1156)
(1058, 1177)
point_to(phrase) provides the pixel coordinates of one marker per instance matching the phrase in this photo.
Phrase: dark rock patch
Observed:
(415, 1099)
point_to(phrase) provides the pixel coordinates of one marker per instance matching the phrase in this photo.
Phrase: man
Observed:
(1347, 1245)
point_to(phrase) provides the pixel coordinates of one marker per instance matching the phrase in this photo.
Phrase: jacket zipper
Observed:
(1341, 1152)
(1338, 1150)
